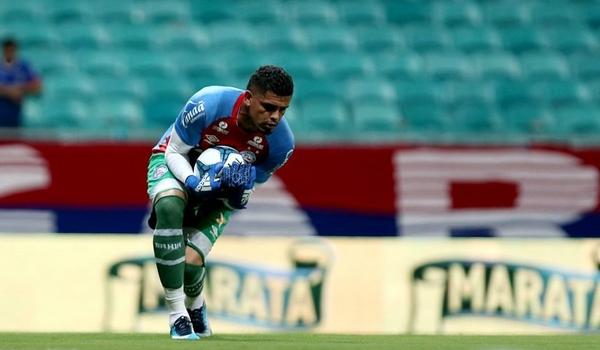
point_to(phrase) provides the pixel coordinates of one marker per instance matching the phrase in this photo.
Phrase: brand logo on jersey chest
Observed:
(212, 139)
(256, 142)
(221, 127)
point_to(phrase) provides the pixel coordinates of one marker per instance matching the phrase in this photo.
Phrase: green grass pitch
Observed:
(276, 341)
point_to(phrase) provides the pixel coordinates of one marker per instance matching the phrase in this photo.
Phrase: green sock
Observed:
(169, 247)
(193, 285)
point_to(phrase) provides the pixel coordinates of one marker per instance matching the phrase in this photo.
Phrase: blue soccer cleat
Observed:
(182, 329)
(200, 321)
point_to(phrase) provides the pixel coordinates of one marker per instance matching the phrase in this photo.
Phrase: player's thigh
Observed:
(204, 228)
(161, 181)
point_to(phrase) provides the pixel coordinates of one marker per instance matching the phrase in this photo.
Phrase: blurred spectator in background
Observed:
(17, 80)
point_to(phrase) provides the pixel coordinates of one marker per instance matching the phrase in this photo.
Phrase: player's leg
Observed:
(201, 234)
(169, 201)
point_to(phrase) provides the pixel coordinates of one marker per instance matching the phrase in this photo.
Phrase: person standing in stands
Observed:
(17, 80)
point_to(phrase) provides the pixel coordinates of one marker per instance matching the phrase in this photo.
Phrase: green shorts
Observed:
(203, 221)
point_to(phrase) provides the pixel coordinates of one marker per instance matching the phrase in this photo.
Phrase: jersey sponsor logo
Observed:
(221, 127)
(195, 113)
(256, 144)
(212, 139)
(249, 156)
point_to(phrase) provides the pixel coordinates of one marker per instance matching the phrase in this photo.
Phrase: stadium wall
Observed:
(84, 283)
(337, 190)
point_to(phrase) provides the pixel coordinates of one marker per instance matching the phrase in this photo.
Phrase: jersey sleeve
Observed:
(195, 116)
(282, 148)
(29, 73)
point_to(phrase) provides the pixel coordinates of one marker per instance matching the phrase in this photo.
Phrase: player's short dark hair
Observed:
(9, 42)
(271, 78)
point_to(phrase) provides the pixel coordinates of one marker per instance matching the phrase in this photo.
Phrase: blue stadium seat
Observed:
(431, 119)
(504, 13)
(578, 120)
(312, 12)
(479, 119)
(206, 12)
(329, 115)
(399, 67)
(425, 38)
(570, 40)
(110, 12)
(161, 12)
(374, 89)
(281, 38)
(530, 118)
(418, 92)
(561, 92)
(497, 66)
(471, 39)
(544, 66)
(559, 15)
(377, 39)
(375, 116)
(232, 35)
(82, 35)
(466, 93)
(361, 13)
(406, 12)
(511, 93)
(521, 39)
(585, 67)
(456, 13)
(68, 11)
(446, 65)
(342, 66)
(335, 39)
(260, 12)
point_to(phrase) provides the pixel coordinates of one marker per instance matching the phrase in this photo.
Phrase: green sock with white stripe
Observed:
(193, 285)
(169, 248)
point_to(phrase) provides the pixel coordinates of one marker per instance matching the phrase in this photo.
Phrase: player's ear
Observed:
(247, 98)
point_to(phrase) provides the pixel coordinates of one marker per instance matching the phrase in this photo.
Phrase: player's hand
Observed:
(238, 198)
(209, 182)
(239, 176)
(239, 195)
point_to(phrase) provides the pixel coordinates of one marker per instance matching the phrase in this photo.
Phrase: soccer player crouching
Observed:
(187, 218)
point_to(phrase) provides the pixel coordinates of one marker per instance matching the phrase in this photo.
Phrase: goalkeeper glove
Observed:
(209, 182)
(239, 196)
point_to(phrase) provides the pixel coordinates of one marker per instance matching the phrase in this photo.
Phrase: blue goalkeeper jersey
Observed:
(209, 118)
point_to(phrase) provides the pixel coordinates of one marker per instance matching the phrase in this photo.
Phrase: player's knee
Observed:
(170, 209)
(193, 257)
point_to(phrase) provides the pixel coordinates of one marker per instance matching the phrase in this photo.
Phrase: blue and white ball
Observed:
(211, 156)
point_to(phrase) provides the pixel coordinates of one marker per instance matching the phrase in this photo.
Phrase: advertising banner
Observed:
(95, 283)
(328, 190)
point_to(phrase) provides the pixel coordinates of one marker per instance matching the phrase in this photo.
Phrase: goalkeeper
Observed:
(186, 217)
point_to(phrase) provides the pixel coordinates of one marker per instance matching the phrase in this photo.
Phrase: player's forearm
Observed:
(32, 88)
(176, 156)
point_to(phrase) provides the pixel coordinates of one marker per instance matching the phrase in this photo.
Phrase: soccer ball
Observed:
(211, 156)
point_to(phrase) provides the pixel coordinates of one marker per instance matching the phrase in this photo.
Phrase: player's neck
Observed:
(244, 121)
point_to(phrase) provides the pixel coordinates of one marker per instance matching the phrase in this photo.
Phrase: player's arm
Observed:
(185, 134)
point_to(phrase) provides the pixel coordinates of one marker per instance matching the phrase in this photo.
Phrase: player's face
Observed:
(266, 110)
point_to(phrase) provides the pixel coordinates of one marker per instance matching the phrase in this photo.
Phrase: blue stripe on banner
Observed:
(101, 220)
(343, 223)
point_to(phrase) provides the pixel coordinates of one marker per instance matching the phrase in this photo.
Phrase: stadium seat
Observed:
(333, 39)
(504, 13)
(360, 13)
(546, 16)
(308, 88)
(593, 87)
(71, 113)
(406, 12)
(107, 87)
(162, 110)
(578, 120)
(374, 89)
(425, 38)
(81, 35)
(173, 86)
(133, 36)
(320, 114)
(280, 38)
(206, 12)
(299, 63)
(111, 12)
(585, 67)
(418, 92)
(69, 86)
(399, 67)
(470, 39)
(530, 118)
(497, 65)
(446, 65)
(521, 39)
(570, 40)
(161, 12)
(561, 92)
(475, 119)
(311, 12)
(377, 39)
(102, 63)
(189, 41)
(464, 93)
(32, 35)
(456, 13)
(543, 66)
(68, 11)
(50, 62)
(369, 116)
(147, 63)
(13, 12)
(343, 66)
(232, 35)
(511, 93)
(117, 114)
(421, 118)
(259, 12)
(590, 15)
